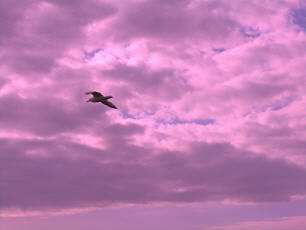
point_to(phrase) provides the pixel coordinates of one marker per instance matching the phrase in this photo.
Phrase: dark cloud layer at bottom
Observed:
(89, 177)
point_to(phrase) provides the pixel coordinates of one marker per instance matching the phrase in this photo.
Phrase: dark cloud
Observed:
(31, 63)
(169, 21)
(3, 81)
(263, 93)
(36, 35)
(163, 83)
(66, 20)
(257, 91)
(46, 115)
(277, 136)
(74, 175)
(11, 12)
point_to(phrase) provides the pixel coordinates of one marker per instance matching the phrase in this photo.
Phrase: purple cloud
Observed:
(186, 21)
(164, 83)
(74, 175)
(210, 103)
(36, 38)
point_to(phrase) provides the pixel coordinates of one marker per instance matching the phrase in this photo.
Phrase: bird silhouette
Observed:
(98, 97)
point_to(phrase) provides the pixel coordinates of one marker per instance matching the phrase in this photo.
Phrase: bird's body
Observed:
(98, 97)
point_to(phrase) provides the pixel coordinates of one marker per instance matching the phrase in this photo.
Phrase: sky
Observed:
(210, 130)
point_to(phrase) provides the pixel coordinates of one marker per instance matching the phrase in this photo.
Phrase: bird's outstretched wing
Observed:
(108, 103)
(94, 93)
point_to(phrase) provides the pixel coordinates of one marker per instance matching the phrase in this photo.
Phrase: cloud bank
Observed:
(211, 103)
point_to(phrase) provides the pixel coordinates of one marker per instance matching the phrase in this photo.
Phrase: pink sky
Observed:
(210, 128)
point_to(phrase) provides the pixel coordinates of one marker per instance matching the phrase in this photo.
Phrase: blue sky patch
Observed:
(91, 54)
(219, 50)
(299, 17)
(176, 120)
(250, 32)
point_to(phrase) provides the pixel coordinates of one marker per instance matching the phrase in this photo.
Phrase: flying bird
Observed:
(98, 97)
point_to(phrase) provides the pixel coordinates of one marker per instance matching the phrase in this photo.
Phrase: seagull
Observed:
(98, 97)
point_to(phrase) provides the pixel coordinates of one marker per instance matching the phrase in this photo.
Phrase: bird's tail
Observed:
(108, 97)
